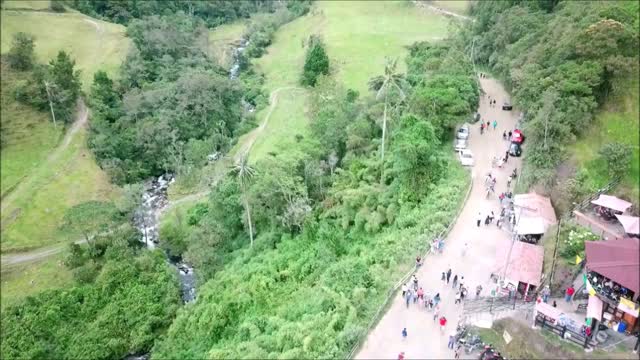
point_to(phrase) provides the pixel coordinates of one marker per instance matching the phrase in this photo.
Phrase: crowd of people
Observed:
(430, 299)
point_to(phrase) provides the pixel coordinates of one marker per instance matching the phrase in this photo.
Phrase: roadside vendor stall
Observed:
(631, 224)
(613, 275)
(520, 267)
(607, 206)
(530, 229)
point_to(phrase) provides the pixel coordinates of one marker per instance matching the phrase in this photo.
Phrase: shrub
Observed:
(572, 242)
(21, 56)
(316, 62)
(617, 157)
(56, 6)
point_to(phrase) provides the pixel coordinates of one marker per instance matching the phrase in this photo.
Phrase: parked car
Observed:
(460, 144)
(517, 136)
(463, 132)
(476, 118)
(515, 149)
(466, 157)
(507, 106)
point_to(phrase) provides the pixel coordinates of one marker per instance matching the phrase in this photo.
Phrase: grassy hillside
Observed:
(358, 35)
(26, 4)
(24, 280)
(617, 121)
(50, 185)
(27, 134)
(94, 44)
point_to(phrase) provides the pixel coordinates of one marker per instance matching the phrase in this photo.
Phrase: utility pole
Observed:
(53, 115)
(555, 251)
(513, 240)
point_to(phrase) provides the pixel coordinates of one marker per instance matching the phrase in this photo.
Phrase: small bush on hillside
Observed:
(316, 62)
(617, 157)
(56, 6)
(21, 55)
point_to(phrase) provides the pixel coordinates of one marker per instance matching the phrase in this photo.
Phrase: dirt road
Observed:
(425, 340)
(81, 121)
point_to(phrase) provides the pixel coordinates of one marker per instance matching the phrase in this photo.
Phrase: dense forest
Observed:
(561, 60)
(171, 106)
(314, 276)
(212, 13)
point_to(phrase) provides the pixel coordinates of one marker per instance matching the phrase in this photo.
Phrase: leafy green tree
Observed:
(387, 86)
(91, 218)
(244, 174)
(21, 56)
(316, 62)
(417, 160)
(617, 156)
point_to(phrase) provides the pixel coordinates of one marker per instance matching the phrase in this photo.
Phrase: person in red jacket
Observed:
(401, 356)
(443, 323)
(569, 293)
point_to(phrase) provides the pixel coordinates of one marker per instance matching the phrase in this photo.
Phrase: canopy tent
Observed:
(612, 202)
(631, 224)
(530, 226)
(618, 260)
(525, 262)
(534, 205)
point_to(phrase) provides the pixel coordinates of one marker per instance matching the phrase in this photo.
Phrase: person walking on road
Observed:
(509, 181)
(504, 135)
(408, 297)
(436, 299)
(461, 282)
(457, 352)
(546, 292)
(452, 340)
(478, 291)
(464, 249)
(443, 278)
(457, 298)
(436, 312)
(401, 355)
(404, 333)
(448, 276)
(455, 281)
(569, 293)
(443, 323)
(495, 124)
(404, 289)
(479, 219)
(487, 127)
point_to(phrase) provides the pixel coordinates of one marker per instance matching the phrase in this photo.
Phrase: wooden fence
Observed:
(566, 332)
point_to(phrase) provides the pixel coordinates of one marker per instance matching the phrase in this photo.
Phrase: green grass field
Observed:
(26, 4)
(619, 121)
(47, 274)
(221, 40)
(94, 44)
(31, 219)
(27, 134)
(358, 35)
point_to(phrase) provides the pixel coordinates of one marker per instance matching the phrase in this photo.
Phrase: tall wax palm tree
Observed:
(244, 173)
(385, 85)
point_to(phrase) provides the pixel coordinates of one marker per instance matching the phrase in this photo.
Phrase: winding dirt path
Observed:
(442, 11)
(81, 121)
(425, 340)
(245, 148)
